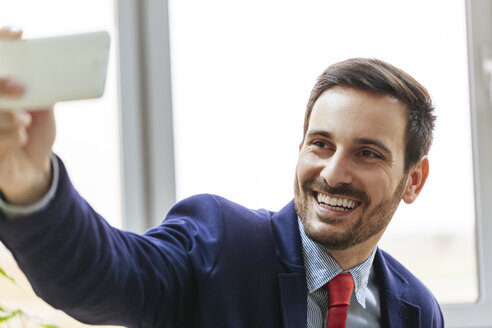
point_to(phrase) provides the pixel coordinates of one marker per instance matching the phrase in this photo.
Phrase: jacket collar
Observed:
(288, 240)
(396, 312)
(292, 282)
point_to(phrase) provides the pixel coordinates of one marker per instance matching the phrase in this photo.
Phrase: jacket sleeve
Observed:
(101, 275)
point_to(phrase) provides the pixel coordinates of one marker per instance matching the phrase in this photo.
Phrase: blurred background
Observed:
(209, 97)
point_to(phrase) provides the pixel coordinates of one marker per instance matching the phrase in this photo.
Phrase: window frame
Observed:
(146, 113)
(479, 35)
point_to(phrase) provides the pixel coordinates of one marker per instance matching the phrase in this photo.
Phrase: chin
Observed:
(328, 235)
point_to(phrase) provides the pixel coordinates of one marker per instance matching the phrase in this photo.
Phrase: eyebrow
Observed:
(379, 144)
(360, 141)
(322, 133)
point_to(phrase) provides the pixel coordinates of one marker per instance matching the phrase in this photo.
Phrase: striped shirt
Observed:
(364, 309)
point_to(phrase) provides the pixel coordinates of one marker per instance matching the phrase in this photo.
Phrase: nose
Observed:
(337, 170)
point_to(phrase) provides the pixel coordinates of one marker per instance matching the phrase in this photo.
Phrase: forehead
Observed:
(348, 113)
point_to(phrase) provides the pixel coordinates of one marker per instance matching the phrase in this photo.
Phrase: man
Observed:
(213, 263)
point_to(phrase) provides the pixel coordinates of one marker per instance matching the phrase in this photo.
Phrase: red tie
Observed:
(339, 292)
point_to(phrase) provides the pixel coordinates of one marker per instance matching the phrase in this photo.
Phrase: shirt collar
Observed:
(321, 268)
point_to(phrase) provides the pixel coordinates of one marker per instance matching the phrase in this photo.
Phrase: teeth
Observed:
(338, 202)
(336, 208)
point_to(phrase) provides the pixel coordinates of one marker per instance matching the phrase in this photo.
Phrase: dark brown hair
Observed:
(376, 76)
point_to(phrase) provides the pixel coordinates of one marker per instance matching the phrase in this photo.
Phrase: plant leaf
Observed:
(7, 315)
(3, 273)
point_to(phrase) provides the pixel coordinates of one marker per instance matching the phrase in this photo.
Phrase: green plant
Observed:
(18, 318)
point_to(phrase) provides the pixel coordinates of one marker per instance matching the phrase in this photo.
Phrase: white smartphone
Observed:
(55, 69)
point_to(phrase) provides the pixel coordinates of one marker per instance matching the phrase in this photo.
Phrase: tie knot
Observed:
(340, 290)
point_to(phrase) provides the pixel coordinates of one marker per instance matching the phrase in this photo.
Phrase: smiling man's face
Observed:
(350, 174)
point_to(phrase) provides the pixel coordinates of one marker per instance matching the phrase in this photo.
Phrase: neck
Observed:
(351, 257)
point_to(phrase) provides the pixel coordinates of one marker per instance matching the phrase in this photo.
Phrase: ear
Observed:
(416, 180)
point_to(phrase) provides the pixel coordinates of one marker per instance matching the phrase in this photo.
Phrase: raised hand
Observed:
(26, 139)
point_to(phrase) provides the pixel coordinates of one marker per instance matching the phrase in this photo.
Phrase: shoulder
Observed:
(398, 276)
(218, 234)
(208, 205)
(212, 215)
(397, 279)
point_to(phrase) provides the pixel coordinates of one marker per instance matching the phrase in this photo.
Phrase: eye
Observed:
(369, 154)
(319, 144)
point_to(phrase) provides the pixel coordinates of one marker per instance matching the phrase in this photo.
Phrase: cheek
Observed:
(378, 186)
(307, 167)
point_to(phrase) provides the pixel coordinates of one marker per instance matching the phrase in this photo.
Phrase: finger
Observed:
(10, 87)
(10, 121)
(13, 139)
(9, 33)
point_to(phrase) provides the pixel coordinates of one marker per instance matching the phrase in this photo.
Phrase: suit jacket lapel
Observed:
(292, 282)
(396, 312)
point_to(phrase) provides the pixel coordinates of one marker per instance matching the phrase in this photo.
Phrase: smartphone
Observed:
(55, 69)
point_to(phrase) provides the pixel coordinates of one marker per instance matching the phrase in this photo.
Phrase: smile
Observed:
(336, 203)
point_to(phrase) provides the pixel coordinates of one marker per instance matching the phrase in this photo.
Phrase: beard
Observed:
(368, 224)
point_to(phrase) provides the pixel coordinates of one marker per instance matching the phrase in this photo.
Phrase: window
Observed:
(242, 73)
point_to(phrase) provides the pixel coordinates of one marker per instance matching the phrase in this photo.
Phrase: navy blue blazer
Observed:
(212, 263)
